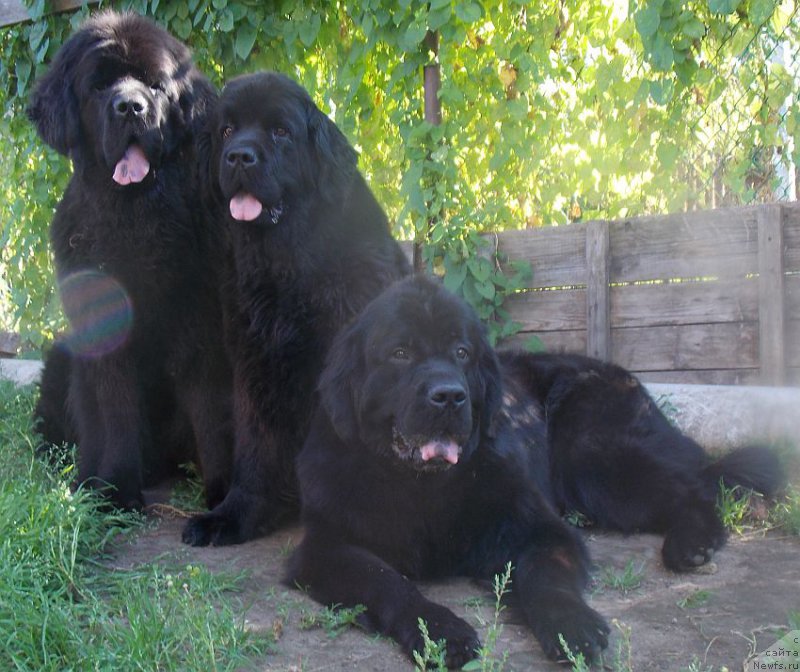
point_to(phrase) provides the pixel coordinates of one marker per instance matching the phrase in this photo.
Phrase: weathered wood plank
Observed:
(553, 341)
(684, 303)
(791, 237)
(771, 295)
(707, 346)
(702, 377)
(719, 243)
(557, 255)
(598, 312)
(549, 310)
(13, 11)
(793, 343)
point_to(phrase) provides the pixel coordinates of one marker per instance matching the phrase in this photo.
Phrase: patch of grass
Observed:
(333, 620)
(786, 513)
(189, 493)
(669, 409)
(577, 519)
(64, 608)
(742, 509)
(623, 580)
(694, 600)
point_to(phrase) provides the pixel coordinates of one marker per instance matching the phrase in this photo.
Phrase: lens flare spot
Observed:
(99, 310)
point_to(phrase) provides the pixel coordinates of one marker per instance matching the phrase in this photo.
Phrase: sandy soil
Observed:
(712, 618)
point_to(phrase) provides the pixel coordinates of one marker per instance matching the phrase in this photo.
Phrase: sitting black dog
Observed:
(142, 381)
(310, 248)
(430, 456)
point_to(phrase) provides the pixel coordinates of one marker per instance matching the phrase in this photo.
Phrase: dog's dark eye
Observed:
(400, 354)
(462, 353)
(226, 131)
(280, 132)
(157, 86)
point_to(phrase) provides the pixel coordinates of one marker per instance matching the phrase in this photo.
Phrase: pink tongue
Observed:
(447, 450)
(132, 167)
(245, 207)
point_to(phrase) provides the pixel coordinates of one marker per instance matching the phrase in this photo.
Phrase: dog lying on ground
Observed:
(431, 456)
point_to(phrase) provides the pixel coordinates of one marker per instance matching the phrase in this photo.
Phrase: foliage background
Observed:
(553, 112)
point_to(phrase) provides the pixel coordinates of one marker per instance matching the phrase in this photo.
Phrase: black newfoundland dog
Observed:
(430, 456)
(148, 380)
(311, 247)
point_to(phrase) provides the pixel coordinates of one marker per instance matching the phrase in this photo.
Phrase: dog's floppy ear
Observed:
(336, 158)
(53, 106)
(197, 101)
(340, 380)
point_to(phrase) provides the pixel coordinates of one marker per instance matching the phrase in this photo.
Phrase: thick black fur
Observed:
(122, 82)
(317, 253)
(412, 387)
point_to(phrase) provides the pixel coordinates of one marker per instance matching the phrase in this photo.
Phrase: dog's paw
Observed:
(214, 528)
(685, 552)
(460, 640)
(580, 628)
(686, 549)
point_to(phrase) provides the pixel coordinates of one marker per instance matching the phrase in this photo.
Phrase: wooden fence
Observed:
(710, 297)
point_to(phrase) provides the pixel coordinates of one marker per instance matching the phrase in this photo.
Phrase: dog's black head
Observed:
(270, 149)
(120, 95)
(413, 378)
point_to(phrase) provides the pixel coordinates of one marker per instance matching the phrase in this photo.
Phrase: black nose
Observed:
(446, 396)
(129, 105)
(241, 156)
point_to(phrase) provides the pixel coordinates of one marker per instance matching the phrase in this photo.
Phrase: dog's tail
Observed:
(755, 467)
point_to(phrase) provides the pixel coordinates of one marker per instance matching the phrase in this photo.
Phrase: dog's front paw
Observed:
(578, 627)
(214, 528)
(460, 641)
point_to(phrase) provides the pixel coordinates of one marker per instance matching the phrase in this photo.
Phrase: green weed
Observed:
(332, 620)
(488, 659)
(786, 513)
(625, 580)
(695, 599)
(433, 653)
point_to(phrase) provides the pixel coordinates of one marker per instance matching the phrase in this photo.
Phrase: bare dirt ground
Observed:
(712, 619)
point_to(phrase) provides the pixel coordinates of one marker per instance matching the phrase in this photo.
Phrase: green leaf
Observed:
(661, 91)
(760, 11)
(468, 12)
(455, 274)
(182, 28)
(413, 36)
(485, 289)
(647, 20)
(225, 21)
(723, 6)
(309, 29)
(245, 39)
(661, 55)
(694, 28)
